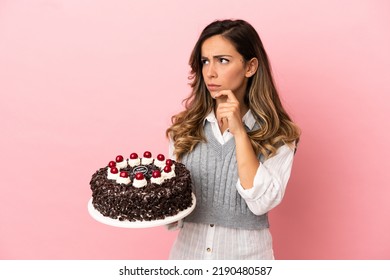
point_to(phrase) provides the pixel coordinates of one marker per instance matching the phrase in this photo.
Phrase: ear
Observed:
(251, 67)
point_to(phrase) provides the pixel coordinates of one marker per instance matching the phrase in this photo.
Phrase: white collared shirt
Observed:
(202, 241)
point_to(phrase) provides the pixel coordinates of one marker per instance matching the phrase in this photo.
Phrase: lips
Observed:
(213, 87)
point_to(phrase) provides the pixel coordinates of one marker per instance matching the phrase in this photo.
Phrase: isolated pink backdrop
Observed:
(82, 81)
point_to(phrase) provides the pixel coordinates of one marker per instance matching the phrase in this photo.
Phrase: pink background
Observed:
(82, 81)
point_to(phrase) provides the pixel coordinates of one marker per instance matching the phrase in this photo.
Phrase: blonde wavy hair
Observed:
(276, 127)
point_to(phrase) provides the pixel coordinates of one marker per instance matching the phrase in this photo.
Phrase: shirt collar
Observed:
(248, 119)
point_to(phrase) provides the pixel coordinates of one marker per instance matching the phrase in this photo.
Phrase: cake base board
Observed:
(139, 224)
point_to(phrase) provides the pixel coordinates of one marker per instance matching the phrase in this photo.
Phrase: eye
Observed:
(224, 60)
(204, 61)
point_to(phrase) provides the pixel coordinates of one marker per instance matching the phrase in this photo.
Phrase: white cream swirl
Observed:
(111, 176)
(159, 163)
(123, 180)
(139, 183)
(147, 160)
(158, 180)
(168, 175)
(121, 164)
(134, 162)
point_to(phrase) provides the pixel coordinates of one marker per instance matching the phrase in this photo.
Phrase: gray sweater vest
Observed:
(214, 174)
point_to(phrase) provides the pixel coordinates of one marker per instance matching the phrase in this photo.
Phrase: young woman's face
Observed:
(223, 67)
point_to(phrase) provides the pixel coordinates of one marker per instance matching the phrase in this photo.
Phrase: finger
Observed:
(228, 93)
(224, 117)
(228, 108)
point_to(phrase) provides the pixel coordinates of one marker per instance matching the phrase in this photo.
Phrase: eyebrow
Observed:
(217, 56)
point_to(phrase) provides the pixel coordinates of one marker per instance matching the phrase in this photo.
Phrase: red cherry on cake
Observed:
(169, 162)
(112, 164)
(161, 157)
(139, 176)
(124, 174)
(133, 156)
(156, 174)
(147, 154)
(114, 170)
(167, 169)
(119, 158)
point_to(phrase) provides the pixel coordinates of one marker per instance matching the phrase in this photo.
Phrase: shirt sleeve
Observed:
(270, 182)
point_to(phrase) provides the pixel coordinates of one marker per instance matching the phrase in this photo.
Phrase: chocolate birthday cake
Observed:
(141, 189)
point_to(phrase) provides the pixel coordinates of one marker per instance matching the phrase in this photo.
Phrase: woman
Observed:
(238, 143)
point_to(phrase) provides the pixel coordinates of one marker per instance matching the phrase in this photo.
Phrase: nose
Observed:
(211, 71)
